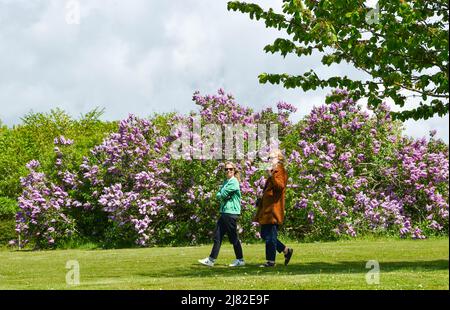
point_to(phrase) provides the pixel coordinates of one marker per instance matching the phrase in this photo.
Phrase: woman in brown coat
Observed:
(270, 212)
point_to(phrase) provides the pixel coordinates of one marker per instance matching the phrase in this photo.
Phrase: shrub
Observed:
(8, 208)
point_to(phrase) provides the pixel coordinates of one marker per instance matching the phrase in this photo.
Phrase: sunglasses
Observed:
(229, 169)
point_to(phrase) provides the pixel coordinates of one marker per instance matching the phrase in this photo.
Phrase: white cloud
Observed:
(140, 56)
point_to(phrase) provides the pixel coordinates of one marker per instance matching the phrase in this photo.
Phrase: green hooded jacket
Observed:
(229, 196)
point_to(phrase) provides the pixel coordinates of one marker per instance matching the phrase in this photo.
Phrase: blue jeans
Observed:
(269, 233)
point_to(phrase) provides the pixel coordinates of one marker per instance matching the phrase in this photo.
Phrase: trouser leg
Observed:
(219, 232)
(280, 245)
(231, 223)
(269, 234)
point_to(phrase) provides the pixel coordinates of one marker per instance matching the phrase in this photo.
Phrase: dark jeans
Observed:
(227, 223)
(269, 233)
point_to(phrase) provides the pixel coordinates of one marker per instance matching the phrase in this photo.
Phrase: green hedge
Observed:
(8, 208)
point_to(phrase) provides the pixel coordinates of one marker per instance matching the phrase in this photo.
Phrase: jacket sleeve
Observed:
(228, 189)
(279, 179)
(258, 212)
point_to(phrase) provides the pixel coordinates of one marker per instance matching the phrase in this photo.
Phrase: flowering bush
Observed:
(350, 172)
(43, 210)
(355, 173)
(126, 178)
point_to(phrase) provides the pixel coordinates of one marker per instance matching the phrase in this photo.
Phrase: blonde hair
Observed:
(279, 154)
(237, 173)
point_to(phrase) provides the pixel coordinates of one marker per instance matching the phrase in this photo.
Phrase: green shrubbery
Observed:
(33, 139)
(8, 210)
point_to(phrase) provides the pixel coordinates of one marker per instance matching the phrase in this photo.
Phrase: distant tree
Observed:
(401, 44)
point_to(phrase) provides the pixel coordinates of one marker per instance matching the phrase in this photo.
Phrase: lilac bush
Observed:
(354, 173)
(127, 177)
(351, 173)
(43, 211)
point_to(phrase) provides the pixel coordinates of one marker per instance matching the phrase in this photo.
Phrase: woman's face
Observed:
(229, 171)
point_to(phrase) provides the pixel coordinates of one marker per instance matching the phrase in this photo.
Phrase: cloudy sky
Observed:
(145, 56)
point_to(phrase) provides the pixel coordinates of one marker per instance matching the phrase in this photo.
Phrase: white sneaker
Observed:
(237, 263)
(206, 262)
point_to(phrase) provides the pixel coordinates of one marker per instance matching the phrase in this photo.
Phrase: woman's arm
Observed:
(228, 189)
(279, 178)
(258, 210)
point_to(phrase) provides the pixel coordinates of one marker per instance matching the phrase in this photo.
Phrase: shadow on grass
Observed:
(343, 267)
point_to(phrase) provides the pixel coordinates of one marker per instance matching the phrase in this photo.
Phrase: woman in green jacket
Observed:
(229, 197)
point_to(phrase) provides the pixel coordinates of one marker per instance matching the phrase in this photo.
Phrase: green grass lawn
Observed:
(404, 264)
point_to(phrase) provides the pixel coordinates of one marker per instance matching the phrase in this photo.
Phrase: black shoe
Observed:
(268, 264)
(287, 256)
